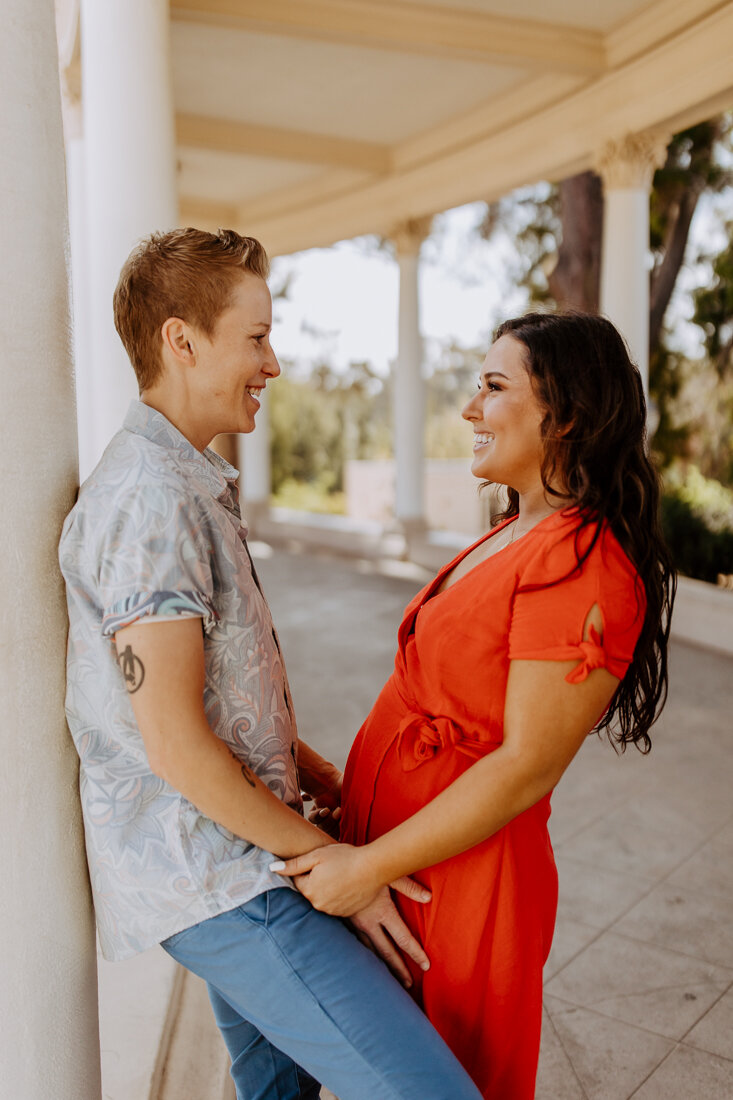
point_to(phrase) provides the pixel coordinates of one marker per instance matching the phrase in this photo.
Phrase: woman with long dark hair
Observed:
(553, 625)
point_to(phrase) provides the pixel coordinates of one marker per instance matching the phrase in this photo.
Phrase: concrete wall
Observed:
(452, 499)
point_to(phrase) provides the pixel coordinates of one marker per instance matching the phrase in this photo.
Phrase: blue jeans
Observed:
(299, 1000)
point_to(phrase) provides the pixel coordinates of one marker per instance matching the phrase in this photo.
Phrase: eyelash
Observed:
(491, 387)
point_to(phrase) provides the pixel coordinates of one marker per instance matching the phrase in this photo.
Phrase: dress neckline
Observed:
(451, 565)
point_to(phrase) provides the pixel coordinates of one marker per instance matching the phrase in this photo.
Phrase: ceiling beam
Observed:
(323, 188)
(229, 136)
(411, 28)
(653, 25)
(497, 113)
(553, 143)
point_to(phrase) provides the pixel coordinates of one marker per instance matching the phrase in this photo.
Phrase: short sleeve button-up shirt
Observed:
(156, 533)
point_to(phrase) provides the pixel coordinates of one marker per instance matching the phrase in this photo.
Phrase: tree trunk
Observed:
(575, 281)
(665, 276)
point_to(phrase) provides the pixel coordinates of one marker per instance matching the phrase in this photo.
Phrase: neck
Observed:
(536, 505)
(177, 409)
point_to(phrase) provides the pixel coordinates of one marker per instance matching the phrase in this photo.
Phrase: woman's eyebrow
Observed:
(494, 374)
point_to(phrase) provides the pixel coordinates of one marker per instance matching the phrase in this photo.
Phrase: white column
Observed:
(130, 171)
(49, 1044)
(409, 386)
(76, 189)
(626, 167)
(254, 464)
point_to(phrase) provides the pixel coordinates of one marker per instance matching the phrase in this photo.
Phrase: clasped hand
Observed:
(338, 879)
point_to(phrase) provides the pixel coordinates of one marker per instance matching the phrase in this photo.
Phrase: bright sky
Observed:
(342, 302)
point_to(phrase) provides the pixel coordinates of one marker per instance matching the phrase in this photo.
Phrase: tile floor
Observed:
(639, 985)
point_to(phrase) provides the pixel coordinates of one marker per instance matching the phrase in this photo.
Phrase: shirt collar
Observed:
(217, 474)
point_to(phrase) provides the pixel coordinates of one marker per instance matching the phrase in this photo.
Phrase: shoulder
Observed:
(572, 548)
(136, 489)
(582, 561)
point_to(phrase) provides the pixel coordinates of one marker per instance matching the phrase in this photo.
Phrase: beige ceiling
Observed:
(595, 15)
(306, 121)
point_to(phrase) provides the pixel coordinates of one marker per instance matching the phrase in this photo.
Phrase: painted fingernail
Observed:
(278, 865)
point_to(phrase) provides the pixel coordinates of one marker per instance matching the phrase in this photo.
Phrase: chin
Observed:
(482, 470)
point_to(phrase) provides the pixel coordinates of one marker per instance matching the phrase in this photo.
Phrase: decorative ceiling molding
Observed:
(230, 136)
(411, 28)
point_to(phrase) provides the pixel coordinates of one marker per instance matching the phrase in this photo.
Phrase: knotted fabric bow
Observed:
(594, 656)
(421, 737)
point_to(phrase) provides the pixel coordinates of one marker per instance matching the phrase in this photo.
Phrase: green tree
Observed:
(319, 421)
(714, 309)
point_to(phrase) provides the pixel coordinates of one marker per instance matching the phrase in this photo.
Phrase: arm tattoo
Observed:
(133, 670)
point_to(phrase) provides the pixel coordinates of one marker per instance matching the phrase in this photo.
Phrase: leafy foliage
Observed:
(714, 309)
(317, 422)
(697, 514)
(531, 216)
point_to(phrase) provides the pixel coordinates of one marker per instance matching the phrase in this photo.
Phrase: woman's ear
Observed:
(178, 341)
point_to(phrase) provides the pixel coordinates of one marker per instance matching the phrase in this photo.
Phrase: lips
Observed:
(480, 439)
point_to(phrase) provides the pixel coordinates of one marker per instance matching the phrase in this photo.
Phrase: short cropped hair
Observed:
(186, 273)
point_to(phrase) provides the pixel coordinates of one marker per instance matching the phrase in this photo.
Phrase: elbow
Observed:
(160, 762)
(158, 766)
(533, 780)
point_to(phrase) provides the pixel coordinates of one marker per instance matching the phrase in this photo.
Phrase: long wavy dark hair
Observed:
(595, 448)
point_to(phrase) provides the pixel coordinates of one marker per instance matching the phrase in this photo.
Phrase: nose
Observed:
(271, 367)
(472, 410)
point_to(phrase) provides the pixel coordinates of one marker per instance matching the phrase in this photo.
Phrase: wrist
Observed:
(372, 866)
(326, 779)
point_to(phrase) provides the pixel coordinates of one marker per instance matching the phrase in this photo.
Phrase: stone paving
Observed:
(639, 985)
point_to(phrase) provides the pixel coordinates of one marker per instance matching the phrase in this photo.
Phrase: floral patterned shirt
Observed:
(157, 533)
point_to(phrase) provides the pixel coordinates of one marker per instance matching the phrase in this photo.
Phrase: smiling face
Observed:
(236, 362)
(506, 417)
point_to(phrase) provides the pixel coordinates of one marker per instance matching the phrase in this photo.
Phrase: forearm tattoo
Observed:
(132, 668)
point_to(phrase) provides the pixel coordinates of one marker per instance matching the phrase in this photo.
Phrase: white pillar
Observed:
(254, 464)
(69, 42)
(49, 1045)
(130, 172)
(409, 386)
(626, 167)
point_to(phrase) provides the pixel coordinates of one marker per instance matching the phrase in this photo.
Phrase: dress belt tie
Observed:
(420, 737)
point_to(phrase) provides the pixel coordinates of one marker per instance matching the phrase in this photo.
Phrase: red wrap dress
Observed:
(489, 925)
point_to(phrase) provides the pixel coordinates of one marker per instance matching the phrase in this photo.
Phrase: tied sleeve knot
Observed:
(420, 737)
(594, 656)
